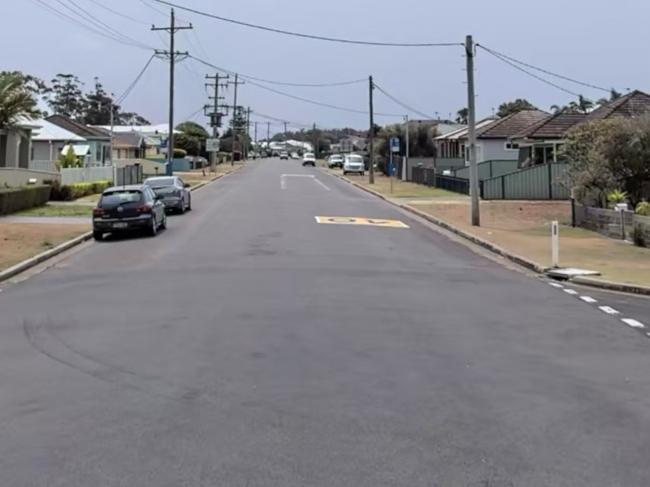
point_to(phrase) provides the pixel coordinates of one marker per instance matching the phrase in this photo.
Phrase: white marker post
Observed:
(555, 244)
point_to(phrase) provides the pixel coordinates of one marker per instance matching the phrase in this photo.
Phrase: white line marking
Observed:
(588, 299)
(608, 310)
(633, 323)
(321, 183)
(283, 182)
(572, 292)
(555, 284)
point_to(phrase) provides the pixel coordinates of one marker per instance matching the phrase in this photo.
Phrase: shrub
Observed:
(16, 199)
(179, 153)
(638, 236)
(643, 209)
(616, 197)
(77, 190)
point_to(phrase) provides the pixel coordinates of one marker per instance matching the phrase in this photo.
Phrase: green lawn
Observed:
(58, 210)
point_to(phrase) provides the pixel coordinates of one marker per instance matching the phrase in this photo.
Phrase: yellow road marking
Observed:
(353, 220)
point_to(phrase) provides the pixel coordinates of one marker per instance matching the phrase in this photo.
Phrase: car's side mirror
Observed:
(186, 185)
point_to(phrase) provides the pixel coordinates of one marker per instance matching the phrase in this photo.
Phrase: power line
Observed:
(308, 36)
(128, 90)
(565, 78)
(119, 14)
(533, 75)
(403, 105)
(281, 120)
(76, 21)
(101, 25)
(295, 97)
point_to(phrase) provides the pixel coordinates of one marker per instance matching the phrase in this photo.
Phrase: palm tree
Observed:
(463, 114)
(16, 102)
(557, 109)
(583, 105)
(613, 95)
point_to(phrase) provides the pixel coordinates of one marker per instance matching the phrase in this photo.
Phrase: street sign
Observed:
(394, 144)
(212, 145)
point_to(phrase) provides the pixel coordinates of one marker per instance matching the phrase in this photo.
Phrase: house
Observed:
(155, 136)
(540, 142)
(353, 143)
(492, 137)
(129, 145)
(450, 147)
(97, 140)
(15, 145)
(49, 142)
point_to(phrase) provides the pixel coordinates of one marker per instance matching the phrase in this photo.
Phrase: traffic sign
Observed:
(394, 144)
(212, 145)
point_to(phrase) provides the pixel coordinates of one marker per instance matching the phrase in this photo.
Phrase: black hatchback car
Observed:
(127, 208)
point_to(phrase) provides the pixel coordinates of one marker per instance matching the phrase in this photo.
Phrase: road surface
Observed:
(249, 345)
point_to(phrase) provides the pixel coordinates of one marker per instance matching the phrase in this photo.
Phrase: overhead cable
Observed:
(307, 36)
(128, 90)
(403, 105)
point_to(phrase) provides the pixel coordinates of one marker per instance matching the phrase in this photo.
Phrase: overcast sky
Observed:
(598, 41)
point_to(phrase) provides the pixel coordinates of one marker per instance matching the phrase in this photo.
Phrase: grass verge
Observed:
(58, 211)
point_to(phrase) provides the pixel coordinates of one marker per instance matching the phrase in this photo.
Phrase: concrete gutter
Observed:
(517, 259)
(59, 249)
(48, 254)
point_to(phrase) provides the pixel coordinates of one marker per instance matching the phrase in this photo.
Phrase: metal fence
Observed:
(128, 175)
(49, 166)
(543, 182)
(489, 169)
(428, 177)
(73, 175)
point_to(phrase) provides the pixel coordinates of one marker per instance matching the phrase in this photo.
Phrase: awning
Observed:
(79, 150)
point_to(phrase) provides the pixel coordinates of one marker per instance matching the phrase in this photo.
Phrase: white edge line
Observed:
(633, 323)
(555, 284)
(572, 292)
(609, 310)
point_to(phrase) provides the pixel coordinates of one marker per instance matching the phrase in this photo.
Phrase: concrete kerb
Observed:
(59, 249)
(522, 261)
(42, 257)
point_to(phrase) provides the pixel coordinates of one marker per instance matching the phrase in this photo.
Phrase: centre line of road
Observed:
(633, 323)
(588, 299)
(608, 309)
(283, 180)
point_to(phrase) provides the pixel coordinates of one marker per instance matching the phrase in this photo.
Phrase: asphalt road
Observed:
(248, 345)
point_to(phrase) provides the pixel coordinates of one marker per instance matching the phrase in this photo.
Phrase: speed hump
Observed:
(354, 220)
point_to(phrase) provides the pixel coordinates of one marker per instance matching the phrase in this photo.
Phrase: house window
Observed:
(98, 152)
(512, 146)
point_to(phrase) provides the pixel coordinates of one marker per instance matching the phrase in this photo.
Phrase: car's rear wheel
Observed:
(189, 203)
(153, 229)
(181, 208)
(98, 236)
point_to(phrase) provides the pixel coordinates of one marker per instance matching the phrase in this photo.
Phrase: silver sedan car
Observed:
(172, 191)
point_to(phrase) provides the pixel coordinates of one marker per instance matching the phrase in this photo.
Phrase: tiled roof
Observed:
(78, 128)
(510, 125)
(633, 104)
(551, 127)
(127, 140)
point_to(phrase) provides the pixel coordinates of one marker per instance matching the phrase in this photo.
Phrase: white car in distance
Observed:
(309, 159)
(354, 163)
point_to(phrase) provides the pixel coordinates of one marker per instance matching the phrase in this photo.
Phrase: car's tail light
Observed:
(98, 212)
(144, 209)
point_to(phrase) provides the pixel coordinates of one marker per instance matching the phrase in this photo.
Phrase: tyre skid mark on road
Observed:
(631, 322)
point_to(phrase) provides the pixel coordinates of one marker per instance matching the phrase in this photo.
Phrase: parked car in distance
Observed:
(173, 192)
(309, 159)
(128, 208)
(354, 163)
(294, 155)
(335, 160)
(284, 155)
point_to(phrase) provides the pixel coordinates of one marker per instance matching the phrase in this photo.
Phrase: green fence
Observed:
(543, 182)
(489, 169)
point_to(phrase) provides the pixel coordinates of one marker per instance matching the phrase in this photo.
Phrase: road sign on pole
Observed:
(212, 145)
(394, 145)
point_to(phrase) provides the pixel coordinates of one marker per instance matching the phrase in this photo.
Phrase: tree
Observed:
(613, 95)
(69, 159)
(131, 118)
(66, 97)
(510, 107)
(583, 105)
(462, 116)
(192, 138)
(16, 100)
(97, 106)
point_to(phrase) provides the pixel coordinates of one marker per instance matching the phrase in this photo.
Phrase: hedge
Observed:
(16, 199)
(73, 191)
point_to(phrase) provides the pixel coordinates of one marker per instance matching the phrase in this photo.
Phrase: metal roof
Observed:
(49, 131)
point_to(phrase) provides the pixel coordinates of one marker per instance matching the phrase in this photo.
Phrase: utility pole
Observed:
(315, 137)
(471, 119)
(257, 152)
(235, 113)
(214, 114)
(172, 29)
(371, 136)
(408, 151)
(268, 138)
(248, 132)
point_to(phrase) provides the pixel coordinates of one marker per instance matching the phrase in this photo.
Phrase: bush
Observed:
(16, 199)
(638, 236)
(179, 153)
(643, 209)
(73, 191)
